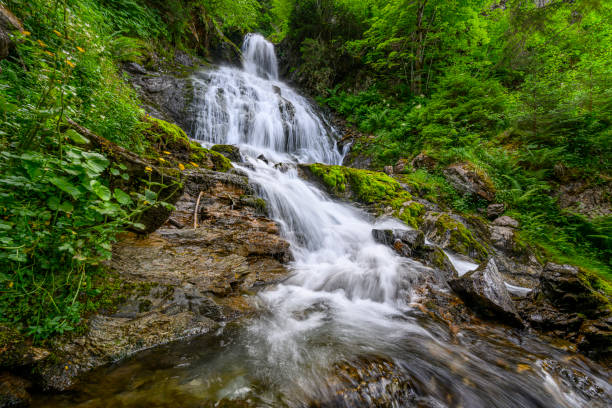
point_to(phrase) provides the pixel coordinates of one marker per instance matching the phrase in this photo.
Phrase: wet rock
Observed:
(495, 210)
(578, 381)
(449, 231)
(284, 167)
(404, 242)
(506, 221)
(230, 151)
(262, 158)
(567, 288)
(13, 391)
(388, 170)
(467, 179)
(423, 161)
(434, 257)
(485, 292)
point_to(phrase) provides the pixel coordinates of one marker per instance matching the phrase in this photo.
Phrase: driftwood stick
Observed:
(195, 212)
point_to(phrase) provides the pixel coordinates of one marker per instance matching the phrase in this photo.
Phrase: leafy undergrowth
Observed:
(59, 210)
(369, 187)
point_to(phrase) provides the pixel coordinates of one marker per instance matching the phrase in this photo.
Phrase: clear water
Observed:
(343, 329)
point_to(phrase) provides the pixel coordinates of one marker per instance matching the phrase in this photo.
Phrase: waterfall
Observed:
(250, 108)
(347, 296)
(259, 57)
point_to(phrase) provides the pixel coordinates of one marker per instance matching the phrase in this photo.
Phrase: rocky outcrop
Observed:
(566, 304)
(181, 281)
(485, 292)
(166, 95)
(469, 180)
(495, 210)
(589, 199)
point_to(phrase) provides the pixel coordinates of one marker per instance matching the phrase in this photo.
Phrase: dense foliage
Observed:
(521, 89)
(59, 213)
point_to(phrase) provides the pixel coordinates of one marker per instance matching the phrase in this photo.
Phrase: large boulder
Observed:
(568, 289)
(485, 292)
(467, 179)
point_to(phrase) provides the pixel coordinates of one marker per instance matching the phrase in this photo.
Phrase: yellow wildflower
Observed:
(194, 164)
(148, 169)
(49, 53)
(70, 64)
(80, 49)
(11, 284)
(65, 367)
(165, 152)
(57, 33)
(26, 33)
(145, 202)
(181, 167)
(42, 44)
(161, 159)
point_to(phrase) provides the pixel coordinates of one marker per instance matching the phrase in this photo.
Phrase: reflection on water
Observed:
(483, 367)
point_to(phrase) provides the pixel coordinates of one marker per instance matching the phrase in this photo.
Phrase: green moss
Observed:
(461, 240)
(369, 187)
(209, 158)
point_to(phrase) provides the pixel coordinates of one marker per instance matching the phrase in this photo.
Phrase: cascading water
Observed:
(341, 330)
(250, 108)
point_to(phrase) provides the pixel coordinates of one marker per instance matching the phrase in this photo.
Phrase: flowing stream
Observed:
(343, 329)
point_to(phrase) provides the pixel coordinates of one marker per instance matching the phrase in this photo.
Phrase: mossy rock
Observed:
(171, 147)
(449, 233)
(375, 189)
(229, 151)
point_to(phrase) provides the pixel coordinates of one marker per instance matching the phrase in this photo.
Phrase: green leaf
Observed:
(115, 172)
(96, 162)
(150, 196)
(76, 137)
(53, 203)
(65, 185)
(121, 197)
(100, 190)
(66, 206)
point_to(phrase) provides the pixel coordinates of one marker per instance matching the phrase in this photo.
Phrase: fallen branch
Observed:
(195, 212)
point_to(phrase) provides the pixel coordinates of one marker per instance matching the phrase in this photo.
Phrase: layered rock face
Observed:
(184, 281)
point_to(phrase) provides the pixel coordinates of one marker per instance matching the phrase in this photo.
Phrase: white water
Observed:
(250, 108)
(347, 296)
